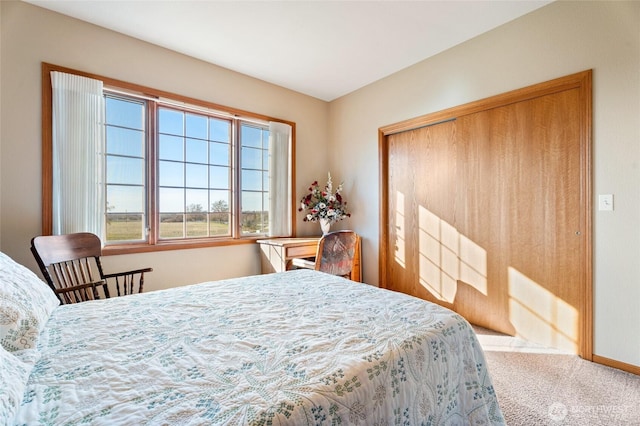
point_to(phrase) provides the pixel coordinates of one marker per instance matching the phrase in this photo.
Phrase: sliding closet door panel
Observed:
(520, 198)
(422, 191)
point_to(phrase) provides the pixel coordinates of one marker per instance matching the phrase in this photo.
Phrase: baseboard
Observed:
(630, 368)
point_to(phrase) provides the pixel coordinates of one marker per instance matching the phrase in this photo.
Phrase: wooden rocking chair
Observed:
(71, 266)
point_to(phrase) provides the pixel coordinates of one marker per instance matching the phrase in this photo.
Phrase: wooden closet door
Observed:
(422, 181)
(520, 199)
(488, 212)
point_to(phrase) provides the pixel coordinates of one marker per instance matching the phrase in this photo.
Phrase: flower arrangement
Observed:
(324, 204)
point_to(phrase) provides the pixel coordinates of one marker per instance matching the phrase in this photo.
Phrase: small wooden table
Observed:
(276, 254)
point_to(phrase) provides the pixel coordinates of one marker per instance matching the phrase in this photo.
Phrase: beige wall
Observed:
(31, 35)
(556, 40)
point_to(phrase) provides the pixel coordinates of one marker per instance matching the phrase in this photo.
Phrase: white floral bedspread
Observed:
(294, 348)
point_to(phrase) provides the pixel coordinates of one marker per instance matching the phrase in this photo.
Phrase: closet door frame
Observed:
(581, 81)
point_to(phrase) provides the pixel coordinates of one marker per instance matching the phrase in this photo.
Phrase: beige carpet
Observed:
(538, 386)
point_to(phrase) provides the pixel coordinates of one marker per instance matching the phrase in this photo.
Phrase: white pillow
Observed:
(26, 302)
(13, 381)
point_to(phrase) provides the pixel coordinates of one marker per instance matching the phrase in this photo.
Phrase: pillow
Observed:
(13, 381)
(26, 302)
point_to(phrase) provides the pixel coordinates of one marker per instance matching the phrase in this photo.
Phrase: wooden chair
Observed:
(338, 253)
(71, 266)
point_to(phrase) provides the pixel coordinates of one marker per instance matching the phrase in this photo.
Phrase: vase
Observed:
(325, 225)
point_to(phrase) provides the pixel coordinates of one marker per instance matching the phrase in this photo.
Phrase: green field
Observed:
(132, 230)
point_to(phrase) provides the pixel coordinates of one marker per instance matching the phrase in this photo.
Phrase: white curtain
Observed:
(279, 179)
(78, 146)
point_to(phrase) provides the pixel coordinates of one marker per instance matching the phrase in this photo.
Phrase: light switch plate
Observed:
(605, 202)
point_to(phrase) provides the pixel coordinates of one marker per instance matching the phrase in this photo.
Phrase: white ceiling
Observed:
(324, 49)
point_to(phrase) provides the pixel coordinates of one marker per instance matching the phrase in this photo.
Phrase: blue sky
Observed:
(194, 151)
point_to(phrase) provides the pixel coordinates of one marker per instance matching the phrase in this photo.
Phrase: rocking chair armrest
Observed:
(132, 272)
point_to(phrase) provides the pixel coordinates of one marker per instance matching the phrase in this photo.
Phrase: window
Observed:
(178, 172)
(194, 174)
(126, 183)
(254, 179)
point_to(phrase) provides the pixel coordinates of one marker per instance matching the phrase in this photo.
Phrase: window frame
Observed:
(153, 243)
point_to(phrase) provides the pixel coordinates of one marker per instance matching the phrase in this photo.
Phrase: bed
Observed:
(294, 348)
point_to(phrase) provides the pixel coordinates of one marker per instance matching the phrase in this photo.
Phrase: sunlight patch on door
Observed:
(539, 315)
(473, 264)
(447, 256)
(400, 227)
